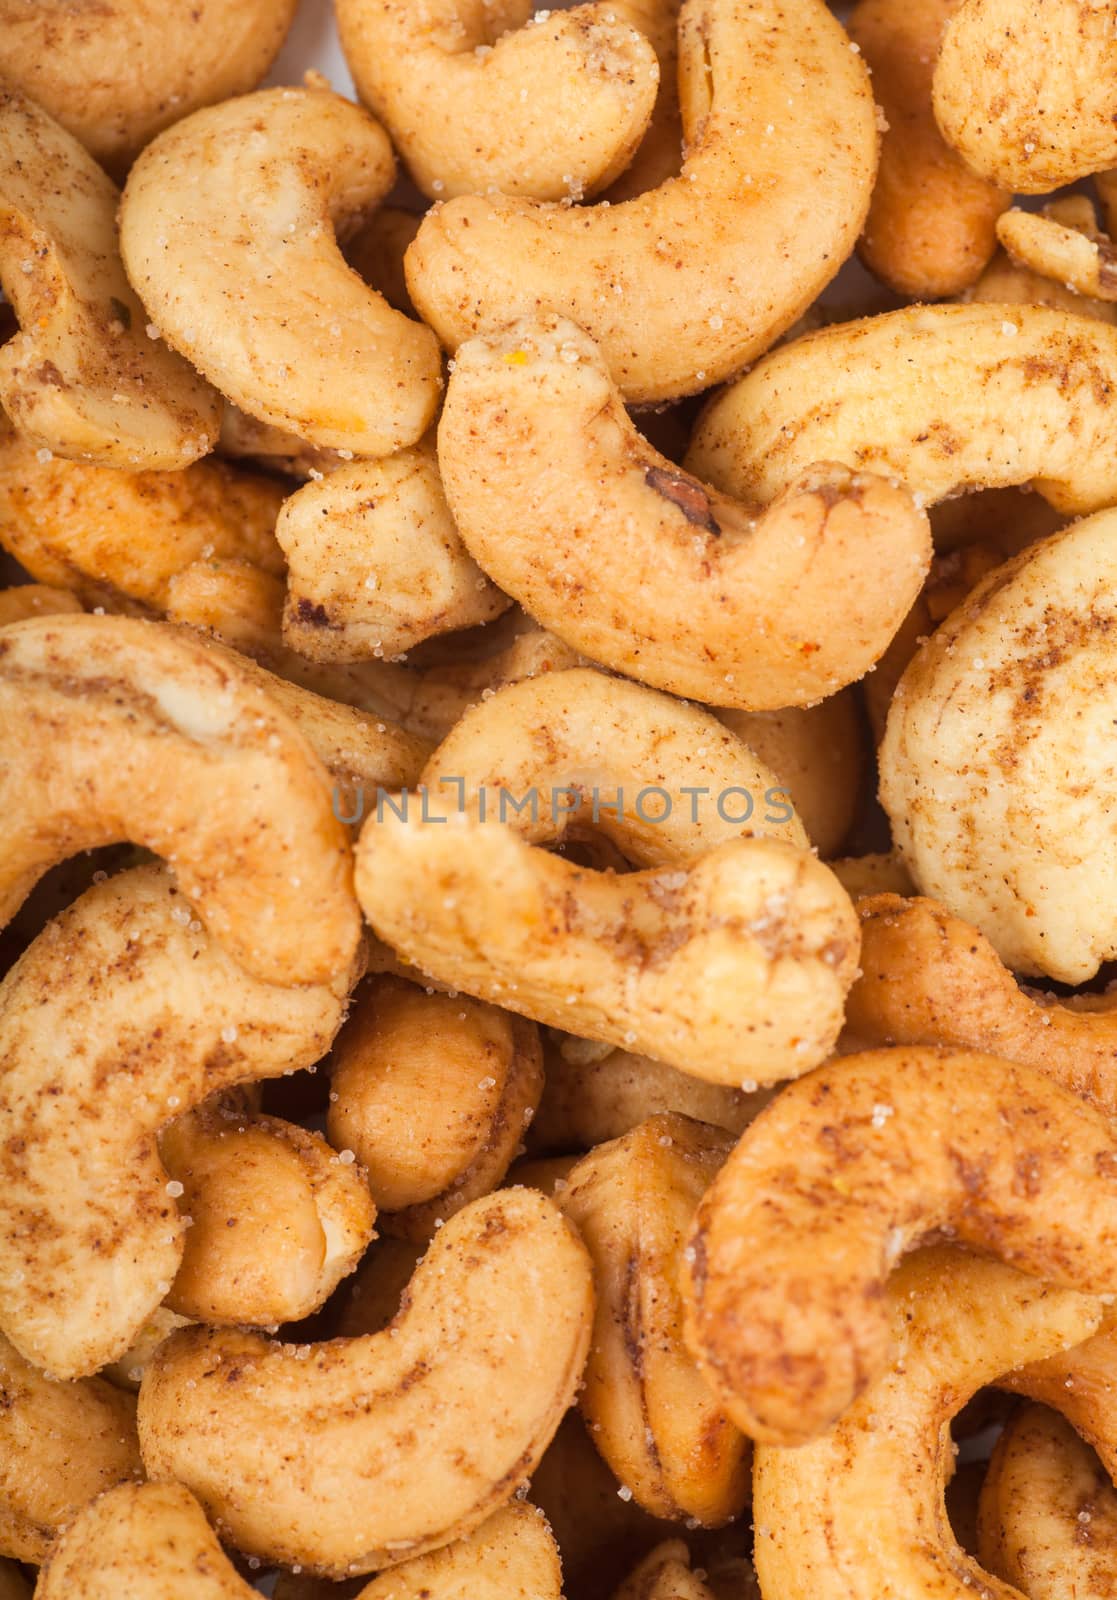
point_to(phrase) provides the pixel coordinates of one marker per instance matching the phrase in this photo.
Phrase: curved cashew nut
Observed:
(512, 1556)
(942, 397)
(683, 285)
(1064, 243)
(1005, 282)
(277, 1218)
(930, 228)
(1048, 1512)
(354, 1454)
(822, 1533)
(25, 600)
(477, 103)
(1018, 680)
(657, 1424)
(551, 485)
(143, 65)
(433, 1094)
(60, 1444)
(1026, 96)
(98, 529)
(787, 1260)
(90, 1238)
(115, 729)
(375, 563)
(927, 977)
(256, 292)
(82, 377)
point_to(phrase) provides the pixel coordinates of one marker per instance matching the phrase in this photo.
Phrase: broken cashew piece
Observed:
(1018, 680)
(118, 83)
(355, 1454)
(656, 1423)
(25, 600)
(90, 1236)
(1064, 243)
(551, 485)
(115, 728)
(682, 286)
(60, 1444)
(786, 1261)
(944, 398)
(375, 563)
(433, 1094)
(957, 1323)
(665, 1574)
(277, 1219)
(477, 103)
(1025, 95)
(931, 222)
(81, 377)
(930, 978)
(257, 294)
(1048, 1512)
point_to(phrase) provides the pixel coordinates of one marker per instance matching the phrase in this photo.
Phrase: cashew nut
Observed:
(787, 1260)
(476, 102)
(60, 1444)
(957, 1323)
(1017, 685)
(26, 600)
(90, 1238)
(114, 78)
(1025, 95)
(254, 290)
(117, 729)
(657, 1424)
(943, 397)
(665, 1574)
(512, 1556)
(1064, 243)
(356, 1454)
(682, 285)
(872, 874)
(930, 228)
(82, 377)
(375, 563)
(551, 486)
(434, 1095)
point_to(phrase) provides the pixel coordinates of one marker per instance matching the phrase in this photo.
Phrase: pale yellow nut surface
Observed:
(1025, 93)
(476, 102)
(354, 1454)
(512, 1556)
(1080, 258)
(82, 377)
(944, 398)
(229, 227)
(556, 494)
(998, 757)
(117, 75)
(787, 1260)
(682, 285)
(858, 1514)
(90, 1237)
(665, 1574)
(24, 600)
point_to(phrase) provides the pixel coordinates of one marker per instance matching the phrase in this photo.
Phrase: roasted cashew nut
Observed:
(822, 1531)
(996, 760)
(119, 729)
(1005, 282)
(551, 486)
(930, 228)
(375, 562)
(25, 600)
(664, 1574)
(82, 377)
(683, 285)
(1048, 1513)
(356, 1454)
(1025, 94)
(788, 1257)
(114, 83)
(60, 1444)
(512, 1556)
(927, 977)
(657, 1424)
(228, 226)
(1064, 243)
(476, 102)
(944, 398)
(90, 1236)
(433, 1094)
(277, 1219)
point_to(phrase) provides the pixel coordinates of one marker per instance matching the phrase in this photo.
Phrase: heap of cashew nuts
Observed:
(558, 802)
